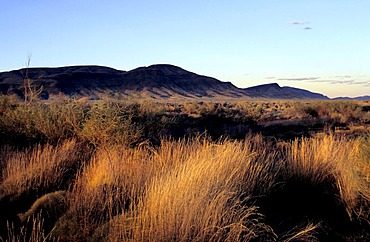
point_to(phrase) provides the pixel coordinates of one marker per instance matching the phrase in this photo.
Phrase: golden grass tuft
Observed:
(109, 183)
(302, 233)
(38, 169)
(318, 159)
(202, 198)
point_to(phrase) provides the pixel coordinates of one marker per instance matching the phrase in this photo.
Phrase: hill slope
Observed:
(155, 81)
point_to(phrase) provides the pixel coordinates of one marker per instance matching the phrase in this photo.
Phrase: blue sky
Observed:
(319, 45)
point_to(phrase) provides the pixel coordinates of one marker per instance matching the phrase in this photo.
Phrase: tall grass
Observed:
(31, 173)
(199, 198)
(115, 176)
(31, 232)
(319, 160)
(39, 169)
(201, 190)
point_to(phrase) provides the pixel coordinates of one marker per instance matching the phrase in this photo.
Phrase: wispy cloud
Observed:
(343, 76)
(296, 22)
(299, 79)
(362, 83)
(324, 81)
(349, 82)
(339, 80)
(301, 23)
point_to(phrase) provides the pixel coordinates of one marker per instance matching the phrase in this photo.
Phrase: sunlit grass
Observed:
(38, 169)
(329, 158)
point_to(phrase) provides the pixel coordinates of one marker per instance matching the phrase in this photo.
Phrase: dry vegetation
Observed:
(77, 170)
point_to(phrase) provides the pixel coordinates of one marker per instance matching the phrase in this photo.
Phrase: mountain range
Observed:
(161, 81)
(361, 98)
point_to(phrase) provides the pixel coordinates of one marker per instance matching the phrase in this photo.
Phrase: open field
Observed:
(77, 170)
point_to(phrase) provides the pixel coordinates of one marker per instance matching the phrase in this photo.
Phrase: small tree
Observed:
(31, 92)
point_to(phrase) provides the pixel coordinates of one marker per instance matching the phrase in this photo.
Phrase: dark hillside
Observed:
(161, 81)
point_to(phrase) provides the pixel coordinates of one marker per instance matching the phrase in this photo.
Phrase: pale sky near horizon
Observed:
(319, 45)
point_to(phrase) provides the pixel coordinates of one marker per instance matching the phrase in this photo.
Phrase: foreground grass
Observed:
(192, 190)
(97, 176)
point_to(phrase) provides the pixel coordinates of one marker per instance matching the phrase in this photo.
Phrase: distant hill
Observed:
(275, 91)
(361, 98)
(156, 81)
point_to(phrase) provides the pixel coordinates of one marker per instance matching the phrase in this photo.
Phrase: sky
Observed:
(319, 45)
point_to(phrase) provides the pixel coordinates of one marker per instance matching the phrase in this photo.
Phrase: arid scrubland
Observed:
(79, 170)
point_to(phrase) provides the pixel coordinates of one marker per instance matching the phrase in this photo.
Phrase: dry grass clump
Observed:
(34, 172)
(39, 169)
(109, 183)
(203, 198)
(115, 179)
(302, 233)
(322, 180)
(328, 158)
(364, 152)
